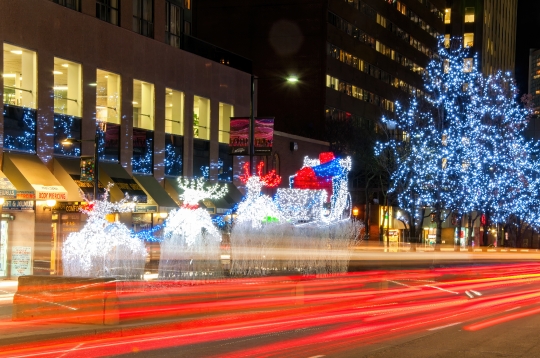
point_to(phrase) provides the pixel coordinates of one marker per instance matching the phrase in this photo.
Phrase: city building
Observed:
(162, 99)
(353, 59)
(533, 129)
(486, 26)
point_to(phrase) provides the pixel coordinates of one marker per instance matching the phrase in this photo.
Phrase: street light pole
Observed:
(252, 126)
(69, 141)
(289, 79)
(96, 162)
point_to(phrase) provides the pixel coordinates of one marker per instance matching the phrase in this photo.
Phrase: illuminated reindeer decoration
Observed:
(256, 207)
(191, 244)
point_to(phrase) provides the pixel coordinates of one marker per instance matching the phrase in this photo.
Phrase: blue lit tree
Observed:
(506, 181)
(464, 152)
(435, 157)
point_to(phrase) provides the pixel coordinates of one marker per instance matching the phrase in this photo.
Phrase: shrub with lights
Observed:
(190, 249)
(103, 248)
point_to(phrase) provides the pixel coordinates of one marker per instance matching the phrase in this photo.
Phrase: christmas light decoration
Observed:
(462, 151)
(328, 174)
(197, 189)
(143, 162)
(102, 248)
(191, 243)
(256, 207)
(20, 125)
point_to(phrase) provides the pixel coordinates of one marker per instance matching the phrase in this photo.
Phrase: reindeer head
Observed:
(196, 190)
(255, 183)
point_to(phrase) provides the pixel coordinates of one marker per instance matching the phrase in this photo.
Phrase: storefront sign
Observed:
(7, 190)
(239, 136)
(145, 209)
(264, 136)
(131, 188)
(6, 193)
(69, 207)
(18, 205)
(21, 260)
(26, 195)
(47, 192)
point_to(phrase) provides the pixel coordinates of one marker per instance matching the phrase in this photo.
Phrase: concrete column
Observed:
(2, 111)
(159, 133)
(214, 143)
(88, 7)
(88, 126)
(159, 20)
(126, 127)
(45, 104)
(42, 241)
(126, 15)
(188, 135)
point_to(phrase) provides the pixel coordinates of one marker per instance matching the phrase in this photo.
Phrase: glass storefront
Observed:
(226, 111)
(201, 118)
(143, 151)
(174, 149)
(201, 157)
(143, 105)
(174, 112)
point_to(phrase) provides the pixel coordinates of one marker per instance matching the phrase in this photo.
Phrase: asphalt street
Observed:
(490, 311)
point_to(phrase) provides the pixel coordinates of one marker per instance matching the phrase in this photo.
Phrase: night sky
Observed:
(528, 36)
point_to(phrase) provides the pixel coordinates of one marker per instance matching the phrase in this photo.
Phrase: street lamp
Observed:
(289, 79)
(69, 141)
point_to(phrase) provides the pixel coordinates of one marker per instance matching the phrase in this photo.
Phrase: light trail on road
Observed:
(312, 316)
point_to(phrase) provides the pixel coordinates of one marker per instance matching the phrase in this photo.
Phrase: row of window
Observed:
(20, 89)
(400, 6)
(359, 93)
(143, 16)
(381, 20)
(468, 17)
(358, 34)
(359, 64)
(468, 40)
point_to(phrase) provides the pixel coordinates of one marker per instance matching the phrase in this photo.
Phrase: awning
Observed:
(233, 196)
(7, 190)
(68, 173)
(123, 183)
(32, 178)
(152, 187)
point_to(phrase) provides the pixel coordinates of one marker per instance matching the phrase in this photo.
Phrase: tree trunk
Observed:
(457, 243)
(469, 234)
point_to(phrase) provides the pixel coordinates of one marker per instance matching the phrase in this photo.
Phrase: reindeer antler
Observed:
(246, 175)
(271, 179)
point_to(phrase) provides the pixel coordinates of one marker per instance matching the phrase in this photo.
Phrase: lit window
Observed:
(201, 118)
(468, 39)
(143, 105)
(467, 65)
(469, 14)
(20, 77)
(226, 111)
(67, 88)
(447, 14)
(108, 97)
(174, 112)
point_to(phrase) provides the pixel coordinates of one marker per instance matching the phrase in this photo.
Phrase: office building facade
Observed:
(161, 98)
(488, 27)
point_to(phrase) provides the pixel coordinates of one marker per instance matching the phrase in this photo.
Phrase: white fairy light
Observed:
(102, 248)
(196, 190)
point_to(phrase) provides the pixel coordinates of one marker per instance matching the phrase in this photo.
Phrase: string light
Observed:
(102, 248)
